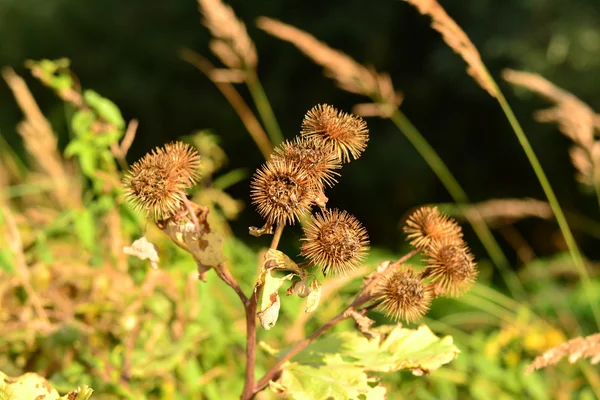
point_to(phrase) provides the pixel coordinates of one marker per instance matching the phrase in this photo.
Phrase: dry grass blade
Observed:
(576, 120)
(235, 99)
(458, 41)
(232, 44)
(39, 138)
(588, 347)
(16, 246)
(510, 210)
(350, 75)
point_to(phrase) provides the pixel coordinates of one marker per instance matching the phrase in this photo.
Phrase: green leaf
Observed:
(105, 108)
(6, 260)
(343, 356)
(85, 229)
(338, 380)
(88, 160)
(82, 123)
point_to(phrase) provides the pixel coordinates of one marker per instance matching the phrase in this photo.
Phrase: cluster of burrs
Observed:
(286, 187)
(406, 294)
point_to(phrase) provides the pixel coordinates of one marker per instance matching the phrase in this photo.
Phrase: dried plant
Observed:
(335, 241)
(495, 211)
(404, 295)
(282, 191)
(40, 140)
(346, 134)
(450, 265)
(588, 347)
(319, 161)
(156, 184)
(458, 41)
(231, 42)
(428, 224)
(349, 74)
(576, 120)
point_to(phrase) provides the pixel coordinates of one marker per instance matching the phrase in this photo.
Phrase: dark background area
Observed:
(128, 52)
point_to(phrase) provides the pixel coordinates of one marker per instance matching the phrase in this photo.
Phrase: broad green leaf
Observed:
(393, 348)
(85, 228)
(74, 147)
(88, 160)
(82, 123)
(105, 108)
(338, 381)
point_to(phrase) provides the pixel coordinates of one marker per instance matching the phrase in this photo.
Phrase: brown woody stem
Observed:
(249, 383)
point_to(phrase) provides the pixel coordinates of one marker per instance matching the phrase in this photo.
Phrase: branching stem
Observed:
(363, 297)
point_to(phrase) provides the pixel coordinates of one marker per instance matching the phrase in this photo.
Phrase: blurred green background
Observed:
(128, 52)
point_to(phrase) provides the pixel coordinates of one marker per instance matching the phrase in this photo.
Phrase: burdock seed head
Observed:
(347, 134)
(318, 160)
(404, 295)
(450, 266)
(156, 184)
(427, 224)
(336, 241)
(186, 159)
(281, 191)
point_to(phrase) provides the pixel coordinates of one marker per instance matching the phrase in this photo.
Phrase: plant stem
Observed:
(251, 306)
(250, 309)
(460, 197)
(264, 107)
(552, 200)
(363, 296)
(276, 368)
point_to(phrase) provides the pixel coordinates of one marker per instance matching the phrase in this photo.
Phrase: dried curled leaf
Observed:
(144, 250)
(313, 298)
(363, 324)
(270, 302)
(275, 259)
(205, 246)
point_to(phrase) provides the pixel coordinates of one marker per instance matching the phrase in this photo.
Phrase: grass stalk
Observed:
(460, 197)
(264, 107)
(552, 200)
